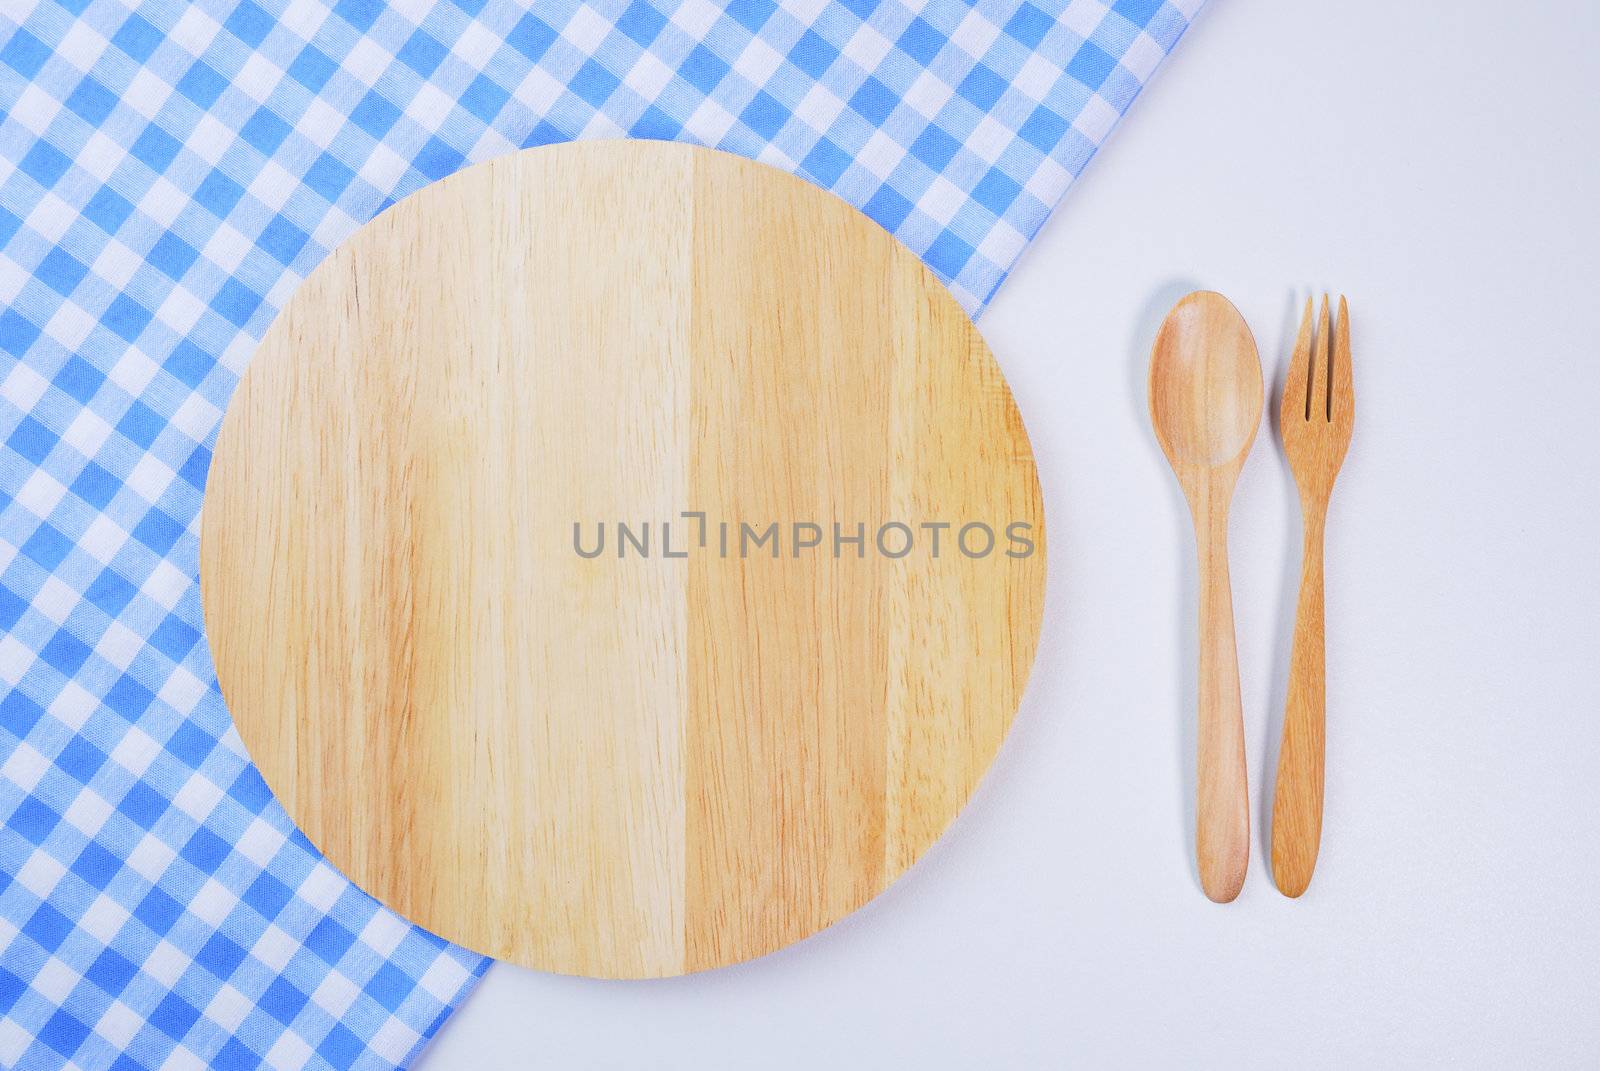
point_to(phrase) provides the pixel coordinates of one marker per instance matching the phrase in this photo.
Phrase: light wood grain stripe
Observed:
(787, 677)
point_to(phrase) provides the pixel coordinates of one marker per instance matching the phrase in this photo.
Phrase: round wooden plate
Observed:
(735, 722)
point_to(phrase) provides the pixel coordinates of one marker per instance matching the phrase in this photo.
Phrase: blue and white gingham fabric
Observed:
(168, 174)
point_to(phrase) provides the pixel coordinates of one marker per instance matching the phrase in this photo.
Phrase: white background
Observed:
(1440, 164)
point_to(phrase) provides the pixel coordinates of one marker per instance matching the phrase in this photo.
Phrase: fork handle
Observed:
(1297, 800)
(1222, 814)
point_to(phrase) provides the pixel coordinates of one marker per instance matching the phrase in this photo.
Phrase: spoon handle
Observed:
(1222, 815)
(1297, 801)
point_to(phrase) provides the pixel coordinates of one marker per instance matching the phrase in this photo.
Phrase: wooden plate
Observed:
(669, 755)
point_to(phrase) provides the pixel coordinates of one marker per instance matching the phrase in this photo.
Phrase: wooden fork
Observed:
(1315, 417)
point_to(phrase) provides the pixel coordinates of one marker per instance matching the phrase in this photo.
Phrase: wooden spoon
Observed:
(1205, 403)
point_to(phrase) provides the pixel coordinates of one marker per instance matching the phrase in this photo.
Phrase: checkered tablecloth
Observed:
(168, 173)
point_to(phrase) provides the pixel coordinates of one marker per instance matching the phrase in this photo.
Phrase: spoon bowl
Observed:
(1205, 383)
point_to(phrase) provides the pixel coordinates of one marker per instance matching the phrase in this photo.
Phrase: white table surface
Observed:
(1440, 164)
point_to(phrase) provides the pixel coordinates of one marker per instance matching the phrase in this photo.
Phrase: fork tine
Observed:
(1294, 384)
(1341, 392)
(1317, 395)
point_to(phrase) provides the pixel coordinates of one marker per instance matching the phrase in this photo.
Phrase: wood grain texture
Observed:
(1205, 404)
(1315, 418)
(620, 766)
